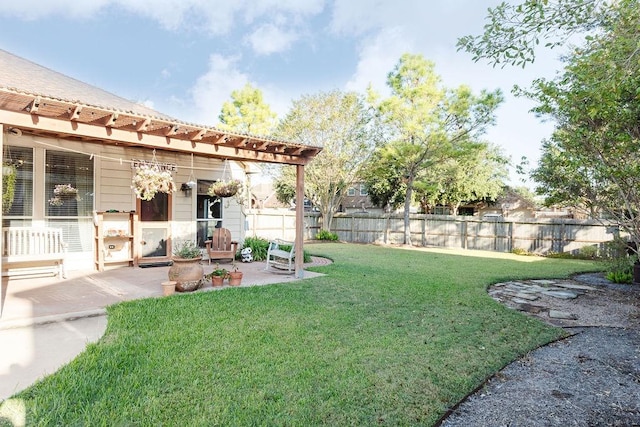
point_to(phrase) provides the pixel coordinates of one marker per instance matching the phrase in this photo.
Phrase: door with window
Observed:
(155, 227)
(208, 212)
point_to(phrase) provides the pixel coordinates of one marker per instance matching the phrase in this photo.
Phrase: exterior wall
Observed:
(112, 187)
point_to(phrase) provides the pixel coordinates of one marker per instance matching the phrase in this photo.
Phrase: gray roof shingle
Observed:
(25, 76)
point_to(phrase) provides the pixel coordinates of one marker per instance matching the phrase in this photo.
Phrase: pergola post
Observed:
(299, 250)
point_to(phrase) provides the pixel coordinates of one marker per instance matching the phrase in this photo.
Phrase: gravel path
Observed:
(591, 378)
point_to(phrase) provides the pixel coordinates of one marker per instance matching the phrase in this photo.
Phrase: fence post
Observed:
(511, 226)
(464, 233)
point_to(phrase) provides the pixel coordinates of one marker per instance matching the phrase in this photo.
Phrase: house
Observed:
(58, 133)
(357, 200)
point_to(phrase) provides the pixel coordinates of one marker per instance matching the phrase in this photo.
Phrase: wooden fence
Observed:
(533, 235)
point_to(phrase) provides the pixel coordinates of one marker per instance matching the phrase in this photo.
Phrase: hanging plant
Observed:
(224, 188)
(62, 193)
(149, 180)
(9, 176)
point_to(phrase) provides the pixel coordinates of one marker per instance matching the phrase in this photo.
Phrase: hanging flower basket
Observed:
(149, 180)
(224, 188)
(62, 193)
(9, 176)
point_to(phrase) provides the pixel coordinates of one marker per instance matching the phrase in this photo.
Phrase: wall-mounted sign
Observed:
(171, 167)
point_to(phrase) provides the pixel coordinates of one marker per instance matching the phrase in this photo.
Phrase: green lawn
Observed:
(388, 336)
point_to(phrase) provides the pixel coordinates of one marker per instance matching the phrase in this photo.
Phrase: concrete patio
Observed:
(46, 322)
(30, 301)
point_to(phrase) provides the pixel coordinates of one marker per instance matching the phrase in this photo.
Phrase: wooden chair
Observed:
(221, 246)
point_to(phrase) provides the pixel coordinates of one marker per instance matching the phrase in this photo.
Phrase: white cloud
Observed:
(378, 56)
(37, 9)
(213, 88)
(212, 16)
(268, 39)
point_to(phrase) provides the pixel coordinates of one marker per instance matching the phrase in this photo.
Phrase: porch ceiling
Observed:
(41, 115)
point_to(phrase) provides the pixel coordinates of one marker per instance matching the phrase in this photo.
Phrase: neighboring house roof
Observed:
(41, 101)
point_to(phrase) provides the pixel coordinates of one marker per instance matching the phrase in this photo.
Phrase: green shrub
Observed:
(619, 269)
(326, 235)
(620, 277)
(520, 251)
(259, 247)
(588, 252)
(560, 255)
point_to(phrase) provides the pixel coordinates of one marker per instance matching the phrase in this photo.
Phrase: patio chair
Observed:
(221, 246)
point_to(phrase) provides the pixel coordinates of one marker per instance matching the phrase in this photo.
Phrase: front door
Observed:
(155, 228)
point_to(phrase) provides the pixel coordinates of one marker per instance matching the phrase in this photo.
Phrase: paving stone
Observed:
(557, 314)
(568, 285)
(528, 297)
(543, 282)
(561, 294)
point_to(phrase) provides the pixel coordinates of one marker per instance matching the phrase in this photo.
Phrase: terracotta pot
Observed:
(217, 280)
(168, 288)
(235, 278)
(187, 273)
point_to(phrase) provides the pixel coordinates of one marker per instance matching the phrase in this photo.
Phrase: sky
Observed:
(185, 57)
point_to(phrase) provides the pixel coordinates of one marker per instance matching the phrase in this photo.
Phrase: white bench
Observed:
(280, 258)
(28, 251)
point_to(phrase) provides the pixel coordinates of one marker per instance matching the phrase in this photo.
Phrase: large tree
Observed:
(343, 125)
(514, 31)
(427, 122)
(477, 173)
(594, 153)
(247, 113)
(472, 172)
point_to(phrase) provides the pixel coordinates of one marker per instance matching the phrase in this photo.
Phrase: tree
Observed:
(472, 172)
(342, 124)
(247, 113)
(427, 122)
(514, 31)
(594, 153)
(477, 173)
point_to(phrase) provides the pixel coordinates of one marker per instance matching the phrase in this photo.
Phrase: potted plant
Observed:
(149, 180)
(9, 176)
(224, 188)
(217, 276)
(186, 270)
(235, 276)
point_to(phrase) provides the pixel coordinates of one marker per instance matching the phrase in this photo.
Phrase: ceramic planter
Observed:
(187, 273)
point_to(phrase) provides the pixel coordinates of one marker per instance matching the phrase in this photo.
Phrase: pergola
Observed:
(38, 114)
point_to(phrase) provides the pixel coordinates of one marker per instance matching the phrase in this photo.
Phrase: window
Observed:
(363, 190)
(73, 170)
(351, 192)
(18, 162)
(156, 209)
(208, 213)
(72, 213)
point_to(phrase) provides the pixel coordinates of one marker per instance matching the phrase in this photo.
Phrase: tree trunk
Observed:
(407, 209)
